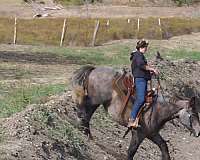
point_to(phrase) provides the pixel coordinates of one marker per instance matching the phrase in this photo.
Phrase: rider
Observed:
(142, 73)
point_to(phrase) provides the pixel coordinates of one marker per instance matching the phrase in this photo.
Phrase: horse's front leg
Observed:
(136, 140)
(161, 143)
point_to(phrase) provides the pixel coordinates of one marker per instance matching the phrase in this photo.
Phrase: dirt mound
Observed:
(49, 131)
(181, 78)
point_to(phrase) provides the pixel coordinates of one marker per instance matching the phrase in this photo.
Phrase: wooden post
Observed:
(15, 32)
(159, 23)
(108, 22)
(138, 27)
(63, 32)
(95, 32)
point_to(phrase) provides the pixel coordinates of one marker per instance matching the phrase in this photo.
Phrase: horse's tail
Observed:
(79, 83)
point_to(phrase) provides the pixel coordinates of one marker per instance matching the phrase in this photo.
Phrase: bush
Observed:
(182, 2)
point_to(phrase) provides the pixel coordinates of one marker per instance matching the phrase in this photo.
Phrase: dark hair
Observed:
(141, 44)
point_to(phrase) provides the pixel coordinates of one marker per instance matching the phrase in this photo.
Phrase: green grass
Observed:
(105, 55)
(15, 100)
(183, 54)
(114, 55)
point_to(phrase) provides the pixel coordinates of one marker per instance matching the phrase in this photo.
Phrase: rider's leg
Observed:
(141, 88)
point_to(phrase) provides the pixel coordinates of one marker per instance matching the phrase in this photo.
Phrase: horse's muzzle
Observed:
(196, 133)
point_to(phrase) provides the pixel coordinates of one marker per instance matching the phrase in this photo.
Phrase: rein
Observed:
(161, 90)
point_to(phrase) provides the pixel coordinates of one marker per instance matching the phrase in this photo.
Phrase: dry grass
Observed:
(80, 31)
(39, 31)
(6, 30)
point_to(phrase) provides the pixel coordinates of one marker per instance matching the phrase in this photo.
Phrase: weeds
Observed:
(14, 100)
(61, 131)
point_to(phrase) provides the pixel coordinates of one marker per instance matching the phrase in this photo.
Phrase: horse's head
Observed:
(189, 116)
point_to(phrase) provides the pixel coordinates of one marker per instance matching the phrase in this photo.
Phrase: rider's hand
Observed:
(156, 71)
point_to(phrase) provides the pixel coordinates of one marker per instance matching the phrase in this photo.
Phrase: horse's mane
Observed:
(176, 97)
(80, 75)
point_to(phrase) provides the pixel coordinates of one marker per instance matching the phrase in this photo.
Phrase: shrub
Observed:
(182, 2)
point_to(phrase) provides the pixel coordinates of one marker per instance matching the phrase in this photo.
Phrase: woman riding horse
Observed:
(141, 73)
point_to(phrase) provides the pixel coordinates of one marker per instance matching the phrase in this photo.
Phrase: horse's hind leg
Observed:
(160, 142)
(86, 120)
(85, 113)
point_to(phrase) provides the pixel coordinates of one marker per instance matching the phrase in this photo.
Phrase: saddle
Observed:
(125, 88)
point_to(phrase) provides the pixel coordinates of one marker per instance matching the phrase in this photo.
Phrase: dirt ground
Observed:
(28, 140)
(23, 10)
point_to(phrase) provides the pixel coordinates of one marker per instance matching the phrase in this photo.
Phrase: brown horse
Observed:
(93, 87)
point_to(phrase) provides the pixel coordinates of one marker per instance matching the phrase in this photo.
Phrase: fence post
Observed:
(108, 22)
(159, 23)
(15, 31)
(95, 32)
(63, 32)
(138, 27)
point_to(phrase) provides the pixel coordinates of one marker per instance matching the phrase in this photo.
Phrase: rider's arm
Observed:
(148, 68)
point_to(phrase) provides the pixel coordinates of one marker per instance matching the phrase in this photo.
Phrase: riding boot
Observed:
(133, 123)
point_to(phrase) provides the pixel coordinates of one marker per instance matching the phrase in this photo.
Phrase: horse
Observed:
(93, 87)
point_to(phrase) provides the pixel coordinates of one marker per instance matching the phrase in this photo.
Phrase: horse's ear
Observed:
(192, 101)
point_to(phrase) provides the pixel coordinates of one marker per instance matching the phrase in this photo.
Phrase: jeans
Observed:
(141, 89)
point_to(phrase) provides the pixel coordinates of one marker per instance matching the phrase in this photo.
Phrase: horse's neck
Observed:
(167, 111)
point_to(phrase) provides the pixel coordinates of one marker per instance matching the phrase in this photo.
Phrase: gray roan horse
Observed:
(93, 86)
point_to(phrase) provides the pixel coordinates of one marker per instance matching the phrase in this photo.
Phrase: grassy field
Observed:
(14, 98)
(115, 54)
